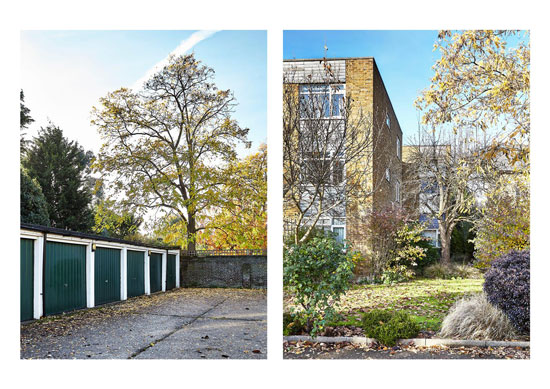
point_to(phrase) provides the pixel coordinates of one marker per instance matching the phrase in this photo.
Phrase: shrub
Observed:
(474, 317)
(447, 272)
(317, 273)
(437, 270)
(33, 205)
(387, 326)
(431, 257)
(507, 284)
(293, 324)
(396, 274)
(462, 245)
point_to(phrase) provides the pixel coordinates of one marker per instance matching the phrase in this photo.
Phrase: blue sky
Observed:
(404, 59)
(64, 73)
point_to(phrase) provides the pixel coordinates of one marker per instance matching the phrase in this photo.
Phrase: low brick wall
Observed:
(246, 271)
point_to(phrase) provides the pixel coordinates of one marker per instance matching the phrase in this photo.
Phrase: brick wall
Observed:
(247, 271)
(359, 88)
(365, 86)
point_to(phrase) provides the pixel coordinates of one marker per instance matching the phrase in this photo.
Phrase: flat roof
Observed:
(83, 235)
(328, 59)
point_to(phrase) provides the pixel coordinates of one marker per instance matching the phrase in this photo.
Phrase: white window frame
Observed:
(388, 120)
(332, 91)
(388, 175)
(343, 226)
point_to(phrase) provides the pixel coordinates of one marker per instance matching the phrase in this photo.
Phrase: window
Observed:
(433, 236)
(317, 168)
(339, 233)
(388, 120)
(321, 101)
(397, 192)
(398, 144)
(388, 174)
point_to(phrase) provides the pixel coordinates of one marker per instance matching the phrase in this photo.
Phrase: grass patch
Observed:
(426, 301)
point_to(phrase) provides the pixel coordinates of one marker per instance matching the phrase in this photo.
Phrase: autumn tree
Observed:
(61, 168)
(481, 83)
(504, 224)
(167, 146)
(328, 148)
(447, 179)
(241, 223)
(480, 93)
(114, 221)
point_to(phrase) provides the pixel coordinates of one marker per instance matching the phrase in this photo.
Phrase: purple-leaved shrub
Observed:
(507, 285)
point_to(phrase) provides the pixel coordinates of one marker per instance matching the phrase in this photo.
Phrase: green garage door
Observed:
(155, 272)
(170, 272)
(135, 269)
(27, 273)
(65, 277)
(107, 275)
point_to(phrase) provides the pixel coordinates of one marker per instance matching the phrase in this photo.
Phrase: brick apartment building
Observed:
(359, 80)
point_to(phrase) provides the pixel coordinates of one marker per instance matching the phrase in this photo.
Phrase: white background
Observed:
(273, 16)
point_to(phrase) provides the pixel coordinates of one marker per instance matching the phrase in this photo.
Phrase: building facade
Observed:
(347, 88)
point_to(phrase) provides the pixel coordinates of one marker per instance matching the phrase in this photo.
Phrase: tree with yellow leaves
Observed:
(481, 83)
(167, 146)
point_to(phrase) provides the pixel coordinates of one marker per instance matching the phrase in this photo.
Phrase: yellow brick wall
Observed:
(365, 86)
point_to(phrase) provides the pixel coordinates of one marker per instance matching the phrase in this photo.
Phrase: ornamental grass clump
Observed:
(507, 285)
(473, 317)
(388, 327)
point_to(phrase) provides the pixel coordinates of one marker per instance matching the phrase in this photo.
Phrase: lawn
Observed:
(427, 301)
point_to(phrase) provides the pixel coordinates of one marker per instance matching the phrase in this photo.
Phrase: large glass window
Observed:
(321, 101)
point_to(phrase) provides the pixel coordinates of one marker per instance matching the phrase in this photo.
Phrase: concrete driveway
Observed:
(179, 324)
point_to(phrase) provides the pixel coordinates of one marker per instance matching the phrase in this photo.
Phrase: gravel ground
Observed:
(179, 324)
(308, 350)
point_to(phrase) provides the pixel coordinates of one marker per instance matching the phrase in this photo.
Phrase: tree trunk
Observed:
(191, 233)
(445, 245)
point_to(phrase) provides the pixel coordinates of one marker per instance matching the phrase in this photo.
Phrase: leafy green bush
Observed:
(34, 207)
(293, 324)
(432, 256)
(317, 273)
(462, 238)
(387, 326)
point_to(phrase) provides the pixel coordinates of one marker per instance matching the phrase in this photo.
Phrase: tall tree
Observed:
(167, 145)
(241, 223)
(60, 167)
(447, 178)
(481, 83)
(480, 89)
(33, 206)
(24, 120)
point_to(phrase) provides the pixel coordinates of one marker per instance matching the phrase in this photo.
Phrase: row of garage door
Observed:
(64, 277)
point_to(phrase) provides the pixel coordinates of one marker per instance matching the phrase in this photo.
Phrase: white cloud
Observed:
(183, 47)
